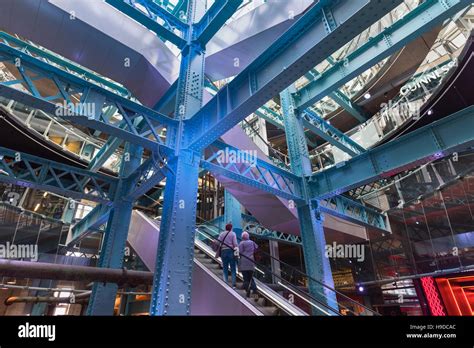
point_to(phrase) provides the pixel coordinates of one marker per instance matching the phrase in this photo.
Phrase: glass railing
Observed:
(60, 134)
(293, 282)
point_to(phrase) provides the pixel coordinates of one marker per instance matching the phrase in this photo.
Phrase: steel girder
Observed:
(146, 176)
(297, 51)
(171, 293)
(30, 171)
(253, 172)
(92, 221)
(439, 139)
(354, 212)
(309, 215)
(154, 10)
(103, 295)
(331, 134)
(418, 21)
(214, 19)
(347, 104)
(253, 227)
(149, 21)
(67, 94)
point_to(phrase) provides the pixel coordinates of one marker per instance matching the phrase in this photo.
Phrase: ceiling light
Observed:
(367, 95)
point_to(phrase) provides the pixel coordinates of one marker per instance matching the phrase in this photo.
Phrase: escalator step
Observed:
(268, 311)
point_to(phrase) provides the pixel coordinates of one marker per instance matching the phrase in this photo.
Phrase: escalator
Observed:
(278, 294)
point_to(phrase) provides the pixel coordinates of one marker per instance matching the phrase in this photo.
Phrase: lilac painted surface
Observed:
(210, 295)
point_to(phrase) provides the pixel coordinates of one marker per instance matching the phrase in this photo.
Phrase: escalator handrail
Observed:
(294, 289)
(293, 269)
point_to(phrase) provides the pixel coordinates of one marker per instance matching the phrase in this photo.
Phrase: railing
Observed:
(293, 281)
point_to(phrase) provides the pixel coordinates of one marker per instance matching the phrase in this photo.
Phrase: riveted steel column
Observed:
(103, 295)
(174, 264)
(171, 293)
(310, 217)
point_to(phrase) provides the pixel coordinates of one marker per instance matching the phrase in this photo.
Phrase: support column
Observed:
(310, 217)
(233, 213)
(174, 264)
(103, 295)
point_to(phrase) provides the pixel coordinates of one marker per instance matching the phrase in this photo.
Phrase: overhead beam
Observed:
(92, 221)
(331, 134)
(355, 212)
(147, 22)
(27, 170)
(253, 172)
(162, 13)
(355, 110)
(305, 44)
(65, 86)
(437, 140)
(214, 19)
(418, 21)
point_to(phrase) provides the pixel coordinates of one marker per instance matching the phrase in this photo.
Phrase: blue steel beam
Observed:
(340, 98)
(331, 134)
(147, 176)
(30, 171)
(171, 292)
(420, 20)
(147, 22)
(347, 104)
(81, 101)
(310, 217)
(252, 171)
(439, 139)
(355, 212)
(305, 44)
(214, 19)
(253, 227)
(92, 221)
(158, 11)
(48, 56)
(110, 146)
(103, 295)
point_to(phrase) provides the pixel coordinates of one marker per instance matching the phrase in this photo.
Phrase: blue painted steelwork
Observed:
(253, 227)
(253, 172)
(147, 175)
(298, 50)
(70, 66)
(80, 100)
(214, 19)
(340, 98)
(92, 221)
(30, 171)
(439, 139)
(353, 211)
(174, 263)
(173, 273)
(102, 298)
(309, 214)
(148, 22)
(329, 133)
(347, 104)
(418, 21)
(154, 10)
